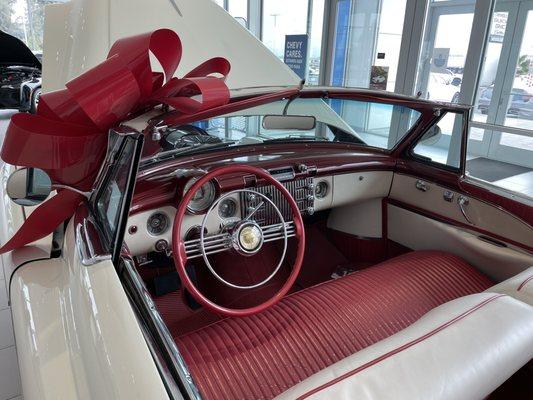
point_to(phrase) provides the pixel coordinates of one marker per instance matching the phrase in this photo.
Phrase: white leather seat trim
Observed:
(519, 286)
(463, 349)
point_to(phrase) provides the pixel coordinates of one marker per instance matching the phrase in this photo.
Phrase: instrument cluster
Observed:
(152, 230)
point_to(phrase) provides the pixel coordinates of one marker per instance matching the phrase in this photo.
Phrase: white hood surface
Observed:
(78, 35)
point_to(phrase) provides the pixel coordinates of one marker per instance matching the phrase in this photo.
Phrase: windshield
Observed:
(365, 123)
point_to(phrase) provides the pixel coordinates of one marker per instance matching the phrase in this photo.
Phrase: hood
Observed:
(15, 52)
(79, 33)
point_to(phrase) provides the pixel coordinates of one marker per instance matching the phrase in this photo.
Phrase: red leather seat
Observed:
(260, 356)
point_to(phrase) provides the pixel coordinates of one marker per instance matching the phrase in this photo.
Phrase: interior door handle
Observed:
(421, 185)
(463, 201)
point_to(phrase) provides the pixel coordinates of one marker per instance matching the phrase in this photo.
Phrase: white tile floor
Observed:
(522, 183)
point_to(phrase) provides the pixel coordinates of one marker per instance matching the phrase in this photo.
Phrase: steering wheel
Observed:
(246, 237)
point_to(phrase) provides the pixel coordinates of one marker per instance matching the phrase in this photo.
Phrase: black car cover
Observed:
(14, 52)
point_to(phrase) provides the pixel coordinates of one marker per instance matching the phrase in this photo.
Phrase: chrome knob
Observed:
(310, 210)
(251, 197)
(310, 197)
(311, 186)
(302, 168)
(161, 245)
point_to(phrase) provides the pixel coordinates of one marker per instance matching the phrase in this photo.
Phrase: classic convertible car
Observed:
(286, 242)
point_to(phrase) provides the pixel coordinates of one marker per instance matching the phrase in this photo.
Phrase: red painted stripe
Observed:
(399, 349)
(524, 283)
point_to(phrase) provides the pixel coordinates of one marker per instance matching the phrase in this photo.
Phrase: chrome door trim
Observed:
(152, 322)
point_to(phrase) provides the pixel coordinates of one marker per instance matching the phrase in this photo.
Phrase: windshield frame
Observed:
(118, 140)
(242, 99)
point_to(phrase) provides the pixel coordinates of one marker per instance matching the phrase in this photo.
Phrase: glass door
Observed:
(442, 61)
(501, 134)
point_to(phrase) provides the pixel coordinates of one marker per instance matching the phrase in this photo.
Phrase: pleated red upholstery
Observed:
(260, 356)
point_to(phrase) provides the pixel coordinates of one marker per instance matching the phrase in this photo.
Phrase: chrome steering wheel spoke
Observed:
(212, 244)
(246, 238)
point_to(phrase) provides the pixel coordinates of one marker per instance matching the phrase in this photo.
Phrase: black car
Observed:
(20, 75)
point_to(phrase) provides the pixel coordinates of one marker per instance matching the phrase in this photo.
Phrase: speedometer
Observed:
(203, 198)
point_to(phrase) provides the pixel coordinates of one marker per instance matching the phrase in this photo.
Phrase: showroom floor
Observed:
(10, 387)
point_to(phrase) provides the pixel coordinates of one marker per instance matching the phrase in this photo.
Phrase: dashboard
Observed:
(151, 230)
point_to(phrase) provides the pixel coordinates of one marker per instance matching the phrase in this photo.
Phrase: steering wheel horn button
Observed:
(248, 238)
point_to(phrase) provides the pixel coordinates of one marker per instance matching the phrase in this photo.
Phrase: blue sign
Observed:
(341, 48)
(295, 55)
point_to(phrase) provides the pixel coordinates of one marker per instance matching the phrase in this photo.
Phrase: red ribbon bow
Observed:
(68, 136)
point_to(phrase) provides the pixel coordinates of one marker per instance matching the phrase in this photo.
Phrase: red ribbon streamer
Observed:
(68, 136)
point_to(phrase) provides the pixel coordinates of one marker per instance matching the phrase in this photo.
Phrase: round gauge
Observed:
(203, 198)
(157, 224)
(227, 208)
(321, 190)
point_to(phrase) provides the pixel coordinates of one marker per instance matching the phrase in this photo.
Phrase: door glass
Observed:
(484, 98)
(443, 56)
(519, 111)
(368, 36)
(441, 144)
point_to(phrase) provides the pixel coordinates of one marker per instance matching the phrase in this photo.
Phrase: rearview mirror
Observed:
(28, 186)
(292, 122)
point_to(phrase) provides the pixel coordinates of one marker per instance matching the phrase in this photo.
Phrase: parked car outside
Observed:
(444, 87)
(521, 103)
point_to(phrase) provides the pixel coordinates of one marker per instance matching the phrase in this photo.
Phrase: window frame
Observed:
(112, 243)
(462, 142)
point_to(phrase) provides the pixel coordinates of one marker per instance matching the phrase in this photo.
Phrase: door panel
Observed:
(480, 216)
(420, 232)
(77, 334)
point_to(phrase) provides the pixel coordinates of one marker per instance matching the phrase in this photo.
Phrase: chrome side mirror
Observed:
(29, 186)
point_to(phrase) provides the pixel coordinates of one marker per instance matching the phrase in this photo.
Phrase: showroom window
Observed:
(368, 37)
(25, 20)
(238, 9)
(297, 17)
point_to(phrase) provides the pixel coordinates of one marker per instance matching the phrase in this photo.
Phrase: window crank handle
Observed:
(463, 202)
